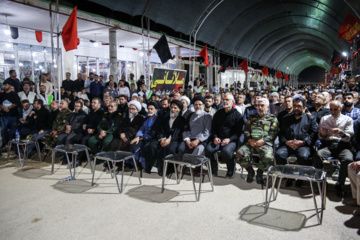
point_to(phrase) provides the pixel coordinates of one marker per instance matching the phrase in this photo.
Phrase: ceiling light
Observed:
(36, 61)
(7, 32)
(141, 54)
(21, 64)
(94, 70)
(96, 44)
(55, 66)
(344, 54)
(40, 67)
(34, 54)
(8, 45)
(12, 55)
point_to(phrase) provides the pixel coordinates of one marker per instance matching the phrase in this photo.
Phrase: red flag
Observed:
(191, 59)
(332, 71)
(69, 32)
(203, 53)
(180, 57)
(244, 66)
(278, 74)
(350, 28)
(286, 78)
(38, 35)
(265, 71)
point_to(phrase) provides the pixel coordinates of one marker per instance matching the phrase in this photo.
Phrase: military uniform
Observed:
(109, 123)
(257, 128)
(58, 126)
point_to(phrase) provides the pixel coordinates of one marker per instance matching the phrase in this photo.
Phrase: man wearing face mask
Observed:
(129, 127)
(260, 133)
(349, 109)
(351, 83)
(197, 131)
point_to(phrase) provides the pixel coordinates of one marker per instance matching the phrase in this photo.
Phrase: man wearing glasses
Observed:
(226, 129)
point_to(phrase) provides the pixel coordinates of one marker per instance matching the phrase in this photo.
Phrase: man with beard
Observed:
(44, 82)
(58, 126)
(226, 129)
(169, 134)
(43, 96)
(335, 132)
(108, 125)
(318, 109)
(79, 83)
(14, 81)
(240, 103)
(10, 102)
(185, 102)
(288, 109)
(197, 131)
(328, 98)
(68, 84)
(27, 94)
(123, 107)
(260, 133)
(351, 83)
(143, 138)
(208, 106)
(129, 127)
(349, 109)
(253, 108)
(217, 102)
(298, 133)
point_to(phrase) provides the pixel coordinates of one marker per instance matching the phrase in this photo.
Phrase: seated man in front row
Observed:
(298, 132)
(354, 175)
(335, 132)
(198, 130)
(225, 132)
(260, 133)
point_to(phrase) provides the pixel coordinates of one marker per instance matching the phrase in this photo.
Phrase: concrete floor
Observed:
(36, 205)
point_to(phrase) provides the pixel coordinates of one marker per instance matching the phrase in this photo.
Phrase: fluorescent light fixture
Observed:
(21, 64)
(12, 55)
(55, 66)
(40, 67)
(141, 54)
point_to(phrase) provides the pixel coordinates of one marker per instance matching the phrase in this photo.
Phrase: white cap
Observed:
(136, 103)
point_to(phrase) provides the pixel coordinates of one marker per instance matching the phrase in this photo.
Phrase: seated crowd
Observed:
(274, 123)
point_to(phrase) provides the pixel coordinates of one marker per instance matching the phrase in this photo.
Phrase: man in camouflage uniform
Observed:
(109, 124)
(58, 126)
(260, 133)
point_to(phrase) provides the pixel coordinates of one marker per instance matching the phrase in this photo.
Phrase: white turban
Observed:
(186, 99)
(136, 104)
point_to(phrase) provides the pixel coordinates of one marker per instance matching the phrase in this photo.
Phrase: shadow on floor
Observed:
(31, 173)
(77, 186)
(152, 194)
(274, 218)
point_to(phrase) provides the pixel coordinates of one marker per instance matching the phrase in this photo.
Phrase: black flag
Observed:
(14, 32)
(336, 58)
(224, 66)
(163, 50)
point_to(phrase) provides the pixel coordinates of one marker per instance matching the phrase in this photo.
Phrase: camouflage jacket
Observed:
(59, 123)
(110, 122)
(265, 128)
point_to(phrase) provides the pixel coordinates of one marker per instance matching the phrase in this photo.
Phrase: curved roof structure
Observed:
(287, 35)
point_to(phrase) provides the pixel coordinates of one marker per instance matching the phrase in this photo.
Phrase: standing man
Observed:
(335, 132)
(351, 85)
(260, 133)
(9, 101)
(132, 80)
(68, 84)
(14, 81)
(123, 90)
(318, 109)
(89, 81)
(79, 83)
(96, 87)
(225, 132)
(44, 82)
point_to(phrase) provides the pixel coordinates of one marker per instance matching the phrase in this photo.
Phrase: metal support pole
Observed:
(113, 52)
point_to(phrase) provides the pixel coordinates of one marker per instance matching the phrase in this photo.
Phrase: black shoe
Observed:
(289, 182)
(259, 177)
(230, 174)
(339, 190)
(251, 174)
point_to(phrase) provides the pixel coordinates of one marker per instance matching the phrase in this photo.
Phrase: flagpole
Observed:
(58, 50)
(352, 8)
(52, 42)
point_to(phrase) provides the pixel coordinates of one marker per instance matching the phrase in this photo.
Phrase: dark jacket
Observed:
(356, 138)
(110, 122)
(319, 114)
(78, 85)
(76, 121)
(42, 120)
(130, 128)
(305, 129)
(51, 119)
(68, 85)
(175, 131)
(93, 119)
(227, 125)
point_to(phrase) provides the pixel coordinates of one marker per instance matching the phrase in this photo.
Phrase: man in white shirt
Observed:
(27, 94)
(198, 88)
(240, 106)
(43, 82)
(335, 132)
(123, 90)
(43, 96)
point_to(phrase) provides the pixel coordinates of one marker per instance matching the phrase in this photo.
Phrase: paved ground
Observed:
(36, 205)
